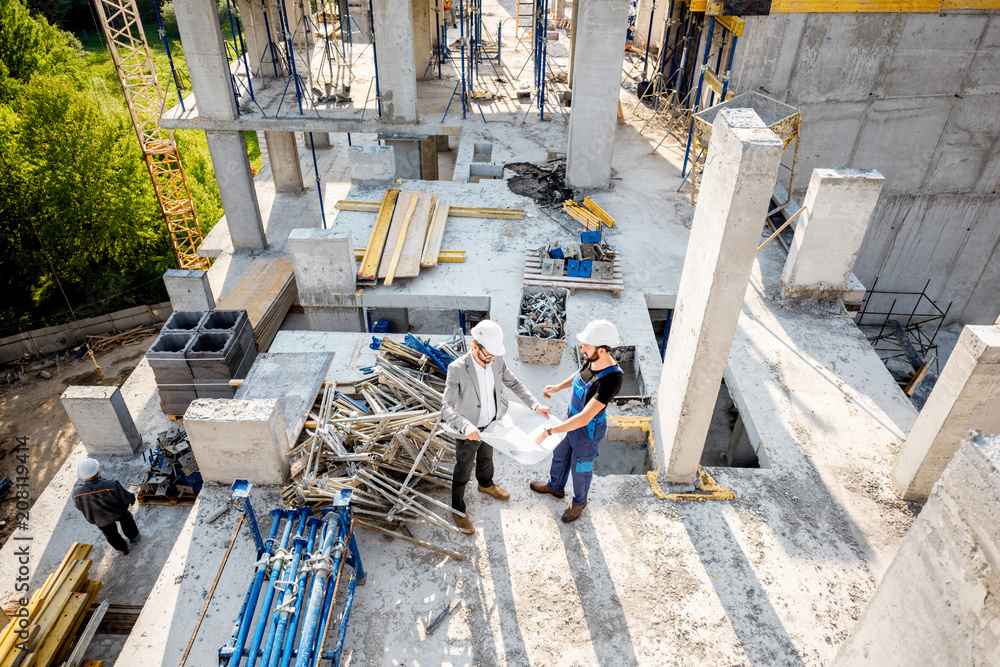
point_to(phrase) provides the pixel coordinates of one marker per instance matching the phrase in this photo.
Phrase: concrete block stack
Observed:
(196, 355)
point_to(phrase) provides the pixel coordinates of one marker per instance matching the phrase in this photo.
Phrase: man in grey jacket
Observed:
(473, 399)
(105, 504)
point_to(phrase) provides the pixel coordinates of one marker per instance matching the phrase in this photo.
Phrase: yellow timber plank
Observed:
(733, 24)
(92, 663)
(63, 630)
(970, 4)
(93, 588)
(435, 235)
(444, 256)
(258, 288)
(396, 224)
(413, 239)
(369, 263)
(391, 271)
(601, 214)
(75, 578)
(454, 212)
(853, 6)
(585, 217)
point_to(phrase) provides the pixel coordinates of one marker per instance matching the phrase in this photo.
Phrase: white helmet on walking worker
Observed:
(598, 333)
(489, 335)
(87, 469)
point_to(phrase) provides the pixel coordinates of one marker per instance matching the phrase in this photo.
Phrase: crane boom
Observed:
(130, 52)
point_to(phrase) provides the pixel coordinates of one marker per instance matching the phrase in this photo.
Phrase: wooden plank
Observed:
(596, 209)
(49, 615)
(733, 24)
(266, 291)
(852, 6)
(444, 256)
(413, 240)
(64, 627)
(582, 215)
(455, 211)
(397, 249)
(406, 197)
(373, 254)
(435, 235)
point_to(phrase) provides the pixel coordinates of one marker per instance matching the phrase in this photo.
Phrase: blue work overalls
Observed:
(578, 449)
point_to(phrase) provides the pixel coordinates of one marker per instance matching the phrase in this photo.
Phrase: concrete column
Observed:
(320, 139)
(406, 153)
(204, 50)
(600, 27)
(936, 604)
(324, 263)
(371, 165)
(422, 43)
(560, 9)
(740, 173)
(394, 39)
(965, 397)
(239, 198)
(572, 40)
(188, 289)
(429, 159)
(101, 419)
(238, 439)
(828, 234)
(283, 156)
(255, 36)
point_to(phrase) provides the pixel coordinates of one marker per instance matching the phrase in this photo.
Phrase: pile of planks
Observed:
(383, 444)
(409, 231)
(104, 342)
(266, 291)
(590, 214)
(55, 614)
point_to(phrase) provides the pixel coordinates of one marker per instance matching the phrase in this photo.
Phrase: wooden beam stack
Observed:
(56, 612)
(266, 291)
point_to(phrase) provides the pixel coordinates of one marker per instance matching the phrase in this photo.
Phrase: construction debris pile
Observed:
(384, 444)
(55, 615)
(173, 477)
(545, 184)
(104, 342)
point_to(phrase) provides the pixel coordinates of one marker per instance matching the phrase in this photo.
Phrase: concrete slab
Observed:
(293, 379)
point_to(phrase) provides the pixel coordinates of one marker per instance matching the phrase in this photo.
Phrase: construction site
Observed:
(788, 209)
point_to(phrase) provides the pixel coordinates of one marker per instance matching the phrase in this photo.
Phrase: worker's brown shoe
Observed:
(573, 513)
(543, 487)
(463, 523)
(494, 491)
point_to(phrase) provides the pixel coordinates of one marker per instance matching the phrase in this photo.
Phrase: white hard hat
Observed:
(599, 332)
(87, 468)
(489, 335)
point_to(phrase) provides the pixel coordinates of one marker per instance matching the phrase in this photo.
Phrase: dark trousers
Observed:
(128, 527)
(467, 451)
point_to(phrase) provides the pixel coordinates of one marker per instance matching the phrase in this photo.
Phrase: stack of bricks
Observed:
(196, 355)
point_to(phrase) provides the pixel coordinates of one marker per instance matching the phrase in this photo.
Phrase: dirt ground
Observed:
(30, 407)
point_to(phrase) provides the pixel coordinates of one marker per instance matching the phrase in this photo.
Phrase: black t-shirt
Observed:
(606, 388)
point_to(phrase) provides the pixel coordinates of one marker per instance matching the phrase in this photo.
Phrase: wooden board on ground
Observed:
(435, 235)
(153, 499)
(266, 291)
(408, 265)
(533, 278)
(294, 379)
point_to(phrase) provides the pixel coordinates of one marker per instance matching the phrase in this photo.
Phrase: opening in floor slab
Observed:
(728, 443)
(633, 385)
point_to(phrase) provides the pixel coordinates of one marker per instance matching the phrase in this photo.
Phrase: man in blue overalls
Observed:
(594, 386)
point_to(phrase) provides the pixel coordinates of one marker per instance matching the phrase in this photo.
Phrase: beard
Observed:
(593, 357)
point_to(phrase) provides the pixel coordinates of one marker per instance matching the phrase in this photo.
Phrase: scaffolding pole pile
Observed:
(383, 444)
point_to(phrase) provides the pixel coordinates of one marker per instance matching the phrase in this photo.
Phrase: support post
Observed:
(828, 234)
(188, 289)
(393, 26)
(965, 397)
(740, 173)
(236, 189)
(600, 26)
(283, 158)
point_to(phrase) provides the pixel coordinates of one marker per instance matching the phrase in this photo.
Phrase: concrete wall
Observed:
(937, 604)
(915, 97)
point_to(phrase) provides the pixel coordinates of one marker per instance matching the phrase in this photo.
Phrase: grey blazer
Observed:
(461, 395)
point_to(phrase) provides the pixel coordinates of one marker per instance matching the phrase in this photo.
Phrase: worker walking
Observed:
(451, 13)
(105, 504)
(473, 399)
(595, 385)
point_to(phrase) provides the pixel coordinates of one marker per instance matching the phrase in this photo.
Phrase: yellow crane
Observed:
(130, 52)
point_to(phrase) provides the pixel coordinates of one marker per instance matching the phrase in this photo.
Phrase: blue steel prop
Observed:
(289, 594)
(237, 643)
(241, 501)
(300, 594)
(275, 566)
(170, 58)
(282, 586)
(697, 97)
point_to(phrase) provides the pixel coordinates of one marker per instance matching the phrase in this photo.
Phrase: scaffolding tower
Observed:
(130, 52)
